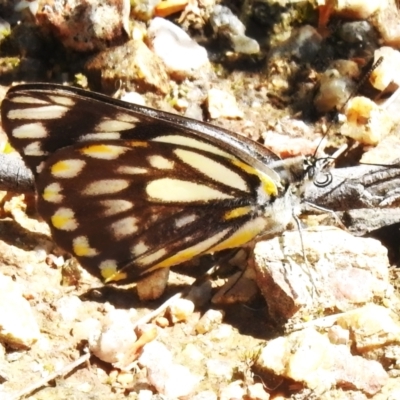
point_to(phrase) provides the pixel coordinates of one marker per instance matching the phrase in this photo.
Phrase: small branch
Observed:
(43, 382)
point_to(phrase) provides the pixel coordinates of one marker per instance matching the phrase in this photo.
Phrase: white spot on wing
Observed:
(160, 162)
(105, 186)
(186, 219)
(153, 257)
(113, 125)
(100, 136)
(176, 190)
(191, 142)
(27, 100)
(39, 113)
(35, 130)
(139, 248)
(124, 227)
(34, 149)
(62, 100)
(127, 169)
(112, 207)
(127, 118)
(212, 169)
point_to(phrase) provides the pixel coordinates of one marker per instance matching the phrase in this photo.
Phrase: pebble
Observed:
(205, 395)
(152, 286)
(359, 32)
(132, 63)
(388, 70)
(237, 289)
(145, 395)
(114, 342)
(219, 369)
(209, 321)
(303, 44)
(182, 56)
(69, 308)
(257, 392)
(366, 122)
(168, 7)
(387, 23)
(200, 294)
(134, 98)
(226, 24)
(191, 352)
(18, 326)
(180, 310)
(169, 379)
(356, 9)
(308, 357)
(334, 91)
(233, 391)
(85, 26)
(370, 327)
(339, 262)
(221, 104)
(87, 330)
(5, 28)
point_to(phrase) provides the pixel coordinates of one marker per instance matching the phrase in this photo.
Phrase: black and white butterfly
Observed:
(127, 189)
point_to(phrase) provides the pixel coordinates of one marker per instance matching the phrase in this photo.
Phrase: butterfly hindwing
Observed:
(139, 204)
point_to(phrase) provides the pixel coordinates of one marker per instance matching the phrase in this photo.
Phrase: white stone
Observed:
(181, 54)
(18, 326)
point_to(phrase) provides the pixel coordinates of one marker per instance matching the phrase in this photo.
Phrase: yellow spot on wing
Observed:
(268, 185)
(190, 252)
(103, 151)
(81, 248)
(64, 219)
(67, 168)
(136, 143)
(236, 213)
(109, 271)
(52, 193)
(244, 234)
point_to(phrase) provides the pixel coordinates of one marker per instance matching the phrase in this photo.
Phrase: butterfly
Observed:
(127, 189)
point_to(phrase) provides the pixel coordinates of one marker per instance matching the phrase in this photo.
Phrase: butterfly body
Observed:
(127, 189)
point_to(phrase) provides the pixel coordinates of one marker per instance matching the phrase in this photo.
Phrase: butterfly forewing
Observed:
(41, 118)
(128, 189)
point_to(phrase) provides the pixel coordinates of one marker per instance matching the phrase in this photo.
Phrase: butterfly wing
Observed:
(128, 189)
(42, 118)
(127, 207)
